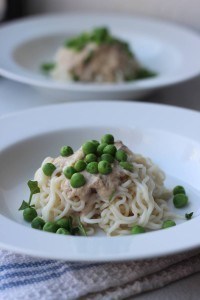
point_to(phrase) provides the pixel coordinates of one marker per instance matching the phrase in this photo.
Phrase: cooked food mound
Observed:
(96, 56)
(103, 185)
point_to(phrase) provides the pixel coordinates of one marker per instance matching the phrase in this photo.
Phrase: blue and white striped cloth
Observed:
(24, 277)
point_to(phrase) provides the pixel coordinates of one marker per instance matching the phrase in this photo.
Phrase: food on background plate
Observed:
(103, 185)
(96, 56)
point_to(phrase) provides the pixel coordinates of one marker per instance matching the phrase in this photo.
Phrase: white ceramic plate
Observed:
(169, 49)
(170, 136)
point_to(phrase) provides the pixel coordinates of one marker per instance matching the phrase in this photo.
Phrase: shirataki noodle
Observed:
(139, 198)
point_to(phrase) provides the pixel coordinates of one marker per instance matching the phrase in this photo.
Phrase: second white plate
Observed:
(170, 50)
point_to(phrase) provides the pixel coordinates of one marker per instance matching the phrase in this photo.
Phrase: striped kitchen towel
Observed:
(24, 277)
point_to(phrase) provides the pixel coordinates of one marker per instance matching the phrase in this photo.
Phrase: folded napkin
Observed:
(24, 277)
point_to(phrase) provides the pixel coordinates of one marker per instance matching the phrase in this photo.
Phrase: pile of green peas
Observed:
(98, 159)
(62, 226)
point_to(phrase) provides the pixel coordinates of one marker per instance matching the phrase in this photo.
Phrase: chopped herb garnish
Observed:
(70, 222)
(144, 73)
(24, 205)
(33, 186)
(99, 36)
(82, 230)
(34, 189)
(189, 216)
(79, 42)
(47, 67)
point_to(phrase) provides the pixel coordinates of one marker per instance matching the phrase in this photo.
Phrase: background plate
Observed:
(169, 49)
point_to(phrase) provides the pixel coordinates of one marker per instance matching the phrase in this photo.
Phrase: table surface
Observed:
(15, 96)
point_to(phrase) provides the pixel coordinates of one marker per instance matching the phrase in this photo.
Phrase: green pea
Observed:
(178, 190)
(80, 165)
(77, 180)
(92, 167)
(37, 223)
(50, 227)
(66, 151)
(108, 139)
(96, 142)
(168, 223)
(63, 231)
(29, 214)
(137, 229)
(107, 157)
(100, 148)
(65, 223)
(89, 147)
(121, 155)
(110, 149)
(90, 158)
(180, 200)
(68, 172)
(104, 167)
(127, 166)
(48, 169)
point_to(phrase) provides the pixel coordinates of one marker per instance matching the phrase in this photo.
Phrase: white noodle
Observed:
(140, 199)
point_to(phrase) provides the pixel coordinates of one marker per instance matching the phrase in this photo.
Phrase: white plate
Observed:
(169, 49)
(170, 136)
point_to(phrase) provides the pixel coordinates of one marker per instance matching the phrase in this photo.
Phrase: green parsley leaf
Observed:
(33, 186)
(189, 216)
(47, 67)
(24, 205)
(34, 189)
(70, 224)
(82, 230)
(99, 36)
(79, 42)
(144, 73)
